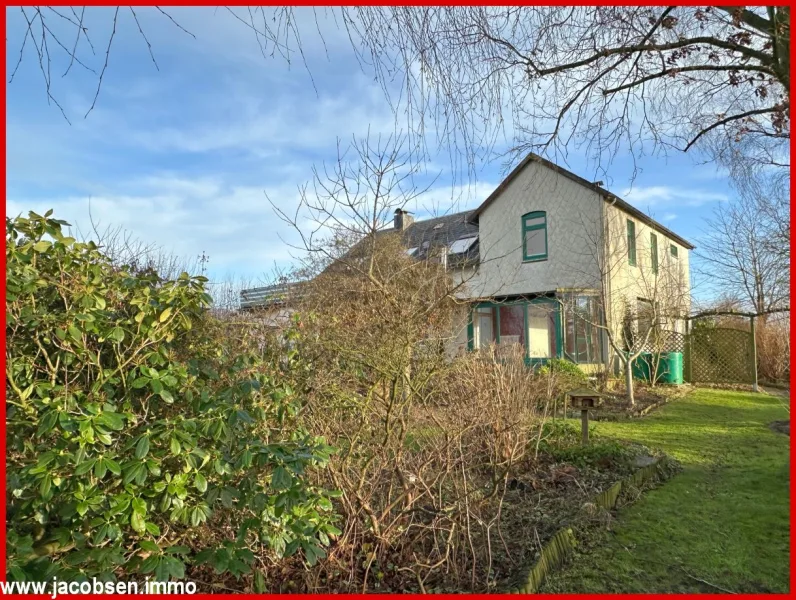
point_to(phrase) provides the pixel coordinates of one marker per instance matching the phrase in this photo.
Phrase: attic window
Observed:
(411, 251)
(462, 245)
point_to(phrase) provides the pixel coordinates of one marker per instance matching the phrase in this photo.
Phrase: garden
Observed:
(151, 436)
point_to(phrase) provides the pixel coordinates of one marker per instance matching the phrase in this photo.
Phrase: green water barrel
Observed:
(670, 368)
(642, 366)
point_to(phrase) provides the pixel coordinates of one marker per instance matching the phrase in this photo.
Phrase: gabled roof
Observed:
(424, 237)
(606, 195)
(441, 232)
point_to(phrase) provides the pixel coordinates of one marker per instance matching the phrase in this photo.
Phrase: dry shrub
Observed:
(773, 349)
(425, 445)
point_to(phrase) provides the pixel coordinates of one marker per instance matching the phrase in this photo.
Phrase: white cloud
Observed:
(234, 225)
(668, 196)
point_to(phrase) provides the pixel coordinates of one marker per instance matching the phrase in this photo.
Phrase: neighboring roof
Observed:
(269, 295)
(607, 196)
(440, 232)
(422, 236)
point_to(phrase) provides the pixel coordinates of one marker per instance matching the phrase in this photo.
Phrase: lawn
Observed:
(722, 524)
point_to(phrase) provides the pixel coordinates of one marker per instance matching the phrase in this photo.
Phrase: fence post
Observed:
(688, 376)
(754, 354)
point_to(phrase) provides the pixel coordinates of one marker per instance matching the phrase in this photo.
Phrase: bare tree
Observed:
(427, 444)
(546, 78)
(124, 247)
(639, 298)
(604, 76)
(746, 250)
(58, 37)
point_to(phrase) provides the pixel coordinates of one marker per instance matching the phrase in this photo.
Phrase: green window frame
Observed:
(552, 303)
(673, 250)
(654, 252)
(631, 243)
(584, 338)
(530, 222)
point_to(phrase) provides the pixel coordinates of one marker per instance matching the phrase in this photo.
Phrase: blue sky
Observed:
(183, 156)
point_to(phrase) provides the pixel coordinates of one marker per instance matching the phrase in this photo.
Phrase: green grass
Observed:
(723, 520)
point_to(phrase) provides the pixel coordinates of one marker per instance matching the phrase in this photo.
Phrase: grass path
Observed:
(723, 520)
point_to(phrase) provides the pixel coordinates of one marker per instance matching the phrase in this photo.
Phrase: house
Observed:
(552, 262)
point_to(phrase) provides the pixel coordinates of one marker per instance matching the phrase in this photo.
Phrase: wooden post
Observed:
(689, 350)
(584, 426)
(754, 355)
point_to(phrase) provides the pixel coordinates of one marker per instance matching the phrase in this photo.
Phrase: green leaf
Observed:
(137, 522)
(150, 564)
(174, 446)
(259, 582)
(162, 571)
(111, 419)
(139, 506)
(41, 246)
(152, 529)
(75, 333)
(149, 546)
(165, 314)
(197, 516)
(113, 466)
(281, 479)
(85, 466)
(100, 534)
(167, 397)
(200, 483)
(176, 567)
(140, 382)
(116, 334)
(142, 447)
(100, 468)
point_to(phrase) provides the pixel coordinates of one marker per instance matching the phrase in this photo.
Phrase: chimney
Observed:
(402, 219)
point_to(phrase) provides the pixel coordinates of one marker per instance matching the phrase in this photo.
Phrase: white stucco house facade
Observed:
(549, 261)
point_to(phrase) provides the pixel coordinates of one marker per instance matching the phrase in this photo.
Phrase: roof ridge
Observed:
(606, 195)
(456, 214)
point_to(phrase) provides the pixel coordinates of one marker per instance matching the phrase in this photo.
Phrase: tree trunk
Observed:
(629, 383)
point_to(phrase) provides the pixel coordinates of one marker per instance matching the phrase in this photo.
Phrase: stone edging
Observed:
(555, 552)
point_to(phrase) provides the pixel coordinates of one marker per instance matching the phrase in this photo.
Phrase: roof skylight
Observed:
(462, 245)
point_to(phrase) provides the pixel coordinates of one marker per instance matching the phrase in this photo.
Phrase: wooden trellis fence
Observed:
(719, 355)
(715, 353)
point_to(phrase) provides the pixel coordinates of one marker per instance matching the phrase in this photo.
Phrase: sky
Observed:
(189, 151)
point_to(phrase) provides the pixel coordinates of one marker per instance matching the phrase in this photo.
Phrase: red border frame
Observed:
(349, 3)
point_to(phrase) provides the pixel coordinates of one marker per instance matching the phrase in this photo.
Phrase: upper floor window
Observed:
(673, 250)
(631, 243)
(654, 252)
(534, 236)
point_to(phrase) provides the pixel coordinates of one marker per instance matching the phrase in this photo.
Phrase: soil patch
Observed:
(780, 426)
(647, 399)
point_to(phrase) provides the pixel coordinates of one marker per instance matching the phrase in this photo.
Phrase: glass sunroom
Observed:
(544, 327)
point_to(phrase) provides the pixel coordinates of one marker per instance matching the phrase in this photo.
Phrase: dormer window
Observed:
(534, 236)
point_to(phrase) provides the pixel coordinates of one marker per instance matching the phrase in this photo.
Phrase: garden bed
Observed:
(559, 491)
(545, 492)
(647, 399)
